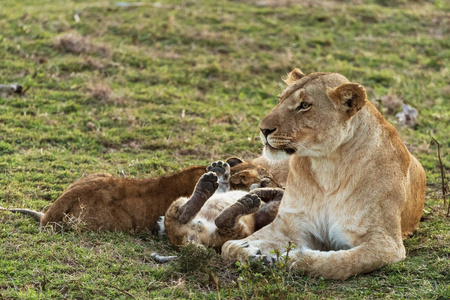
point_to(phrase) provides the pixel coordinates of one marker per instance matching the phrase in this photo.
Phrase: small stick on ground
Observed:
(441, 166)
(120, 290)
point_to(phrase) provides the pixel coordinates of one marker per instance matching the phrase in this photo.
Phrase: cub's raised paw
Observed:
(222, 169)
(250, 202)
(205, 188)
(208, 183)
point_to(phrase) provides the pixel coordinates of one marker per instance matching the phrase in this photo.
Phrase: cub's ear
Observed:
(351, 95)
(246, 177)
(295, 75)
(234, 161)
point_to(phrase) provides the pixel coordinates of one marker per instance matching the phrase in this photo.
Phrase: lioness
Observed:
(214, 214)
(353, 190)
(103, 202)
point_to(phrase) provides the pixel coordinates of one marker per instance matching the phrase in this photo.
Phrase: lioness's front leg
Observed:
(370, 255)
(258, 245)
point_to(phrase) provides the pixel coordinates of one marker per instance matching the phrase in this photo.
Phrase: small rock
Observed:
(408, 116)
(90, 126)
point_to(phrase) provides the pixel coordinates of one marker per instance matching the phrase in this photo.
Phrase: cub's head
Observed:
(313, 115)
(247, 176)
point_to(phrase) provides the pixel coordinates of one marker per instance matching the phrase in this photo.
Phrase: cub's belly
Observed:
(218, 202)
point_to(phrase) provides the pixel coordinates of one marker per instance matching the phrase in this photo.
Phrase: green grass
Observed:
(159, 87)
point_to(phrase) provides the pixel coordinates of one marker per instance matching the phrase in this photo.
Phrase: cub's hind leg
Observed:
(205, 188)
(222, 170)
(180, 212)
(216, 180)
(229, 223)
(269, 210)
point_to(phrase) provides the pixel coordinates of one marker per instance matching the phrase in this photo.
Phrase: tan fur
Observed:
(222, 217)
(104, 202)
(279, 170)
(353, 190)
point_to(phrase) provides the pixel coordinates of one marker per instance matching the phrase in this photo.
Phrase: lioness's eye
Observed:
(303, 106)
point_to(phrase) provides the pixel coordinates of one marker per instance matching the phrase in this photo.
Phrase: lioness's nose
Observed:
(266, 132)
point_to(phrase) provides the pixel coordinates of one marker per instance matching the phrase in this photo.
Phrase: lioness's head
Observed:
(312, 117)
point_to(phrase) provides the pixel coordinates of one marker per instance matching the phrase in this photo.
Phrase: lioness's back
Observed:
(413, 208)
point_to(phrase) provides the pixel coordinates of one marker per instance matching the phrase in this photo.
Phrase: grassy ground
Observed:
(146, 90)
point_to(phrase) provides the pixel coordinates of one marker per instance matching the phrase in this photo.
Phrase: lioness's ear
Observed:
(351, 95)
(234, 161)
(295, 75)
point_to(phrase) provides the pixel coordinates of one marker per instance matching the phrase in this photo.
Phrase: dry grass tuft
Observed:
(100, 92)
(304, 3)
(75, 43)
(391, 104)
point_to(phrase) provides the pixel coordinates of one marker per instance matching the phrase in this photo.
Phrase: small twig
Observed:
(12, 280)
(44, 283)
(289, 248)
(25, 90)
(55, 224)
(123, 291)
(441, 166)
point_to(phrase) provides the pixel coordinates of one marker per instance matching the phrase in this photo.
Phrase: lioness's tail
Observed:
(35, 214)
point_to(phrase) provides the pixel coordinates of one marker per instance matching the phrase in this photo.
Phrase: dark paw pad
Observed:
(250, 201)
(209, 182)
(220, 168)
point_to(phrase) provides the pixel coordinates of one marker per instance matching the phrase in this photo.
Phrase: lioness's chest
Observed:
(325, 219)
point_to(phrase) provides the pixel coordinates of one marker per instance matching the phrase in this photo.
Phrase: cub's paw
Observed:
(251, 202)
(205, 188)
(222, 169)
(208, 183)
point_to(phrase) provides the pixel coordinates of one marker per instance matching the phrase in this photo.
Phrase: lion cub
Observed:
(103, 202)
(214, 214)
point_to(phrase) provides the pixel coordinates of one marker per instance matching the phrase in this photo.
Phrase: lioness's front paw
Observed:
(268, 260)
(239, 250)
(255, 254)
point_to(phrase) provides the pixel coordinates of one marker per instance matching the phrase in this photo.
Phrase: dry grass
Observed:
(100, 92)
(75, 43)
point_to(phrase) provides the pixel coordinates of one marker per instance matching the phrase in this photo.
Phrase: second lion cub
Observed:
(214, 214)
